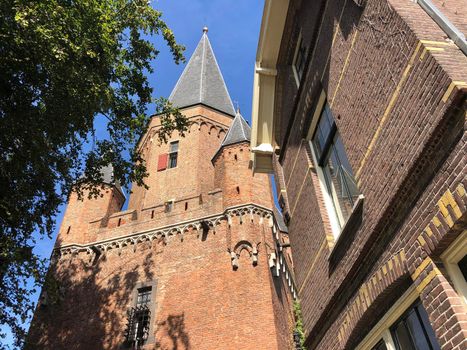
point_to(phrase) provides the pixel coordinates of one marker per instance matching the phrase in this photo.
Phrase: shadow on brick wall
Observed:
(84, 302)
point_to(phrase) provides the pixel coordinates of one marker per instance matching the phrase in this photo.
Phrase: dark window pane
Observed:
(414, 331)
(325, 126)
(380, 346)
(347, 182)
(144, 295)
(328, 115)
(417, 332)
(427, 327)
(463, 266)
(318, 142)
(173, 160)
(331, 156)
(402, 337)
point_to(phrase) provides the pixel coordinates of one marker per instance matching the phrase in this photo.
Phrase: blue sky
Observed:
(233, 32)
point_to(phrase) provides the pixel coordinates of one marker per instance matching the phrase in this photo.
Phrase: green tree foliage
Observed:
(298, 329)
(64, 63)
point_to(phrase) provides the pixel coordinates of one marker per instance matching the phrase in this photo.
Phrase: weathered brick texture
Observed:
(396, 88)
(208, 258)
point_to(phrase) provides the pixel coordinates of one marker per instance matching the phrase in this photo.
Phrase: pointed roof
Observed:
(239, 131)
(108, 177)
(202, 81)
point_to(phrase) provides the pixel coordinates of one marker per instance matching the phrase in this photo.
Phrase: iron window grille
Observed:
(173, 154)
(138, 319)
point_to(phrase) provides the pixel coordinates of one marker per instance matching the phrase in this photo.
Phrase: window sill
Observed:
(347, 234)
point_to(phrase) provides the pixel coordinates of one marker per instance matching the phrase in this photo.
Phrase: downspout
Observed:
(450, 29)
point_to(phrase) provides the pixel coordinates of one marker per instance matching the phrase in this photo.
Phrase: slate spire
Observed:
(202, 81)
(239, 131)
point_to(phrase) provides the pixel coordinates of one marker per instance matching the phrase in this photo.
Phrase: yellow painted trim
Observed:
(344, 68)
(421, 240)
(421, 267)
(461, 190)
(378, 332)
(451, 256)
(454, 84)
(432, 42)
(334, 39)
(316, 114)
(293, 166)
(433, 273)
(300, 191)
(388, 110)
(430, 48)
(320, 250)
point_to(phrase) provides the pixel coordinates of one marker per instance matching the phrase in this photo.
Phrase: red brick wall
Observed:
(389, 76)
(201, 300)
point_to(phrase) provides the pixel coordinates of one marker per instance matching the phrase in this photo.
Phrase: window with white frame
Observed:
(404, 327)
(298, 65)
(173, 154)
(336, 173)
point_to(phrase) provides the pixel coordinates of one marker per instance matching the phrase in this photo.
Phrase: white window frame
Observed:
(451, 257)
(169, 153)
(328, 201)
(382, 328)
(294, 61)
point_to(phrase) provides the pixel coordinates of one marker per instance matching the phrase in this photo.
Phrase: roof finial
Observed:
(237, 109)
(205, 29)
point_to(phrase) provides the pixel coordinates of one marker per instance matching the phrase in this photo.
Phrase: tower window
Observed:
(139, 318)
(173, 154)
(299, 59)
(168, 206)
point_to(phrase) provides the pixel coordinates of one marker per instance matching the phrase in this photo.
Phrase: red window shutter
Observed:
(162, 162)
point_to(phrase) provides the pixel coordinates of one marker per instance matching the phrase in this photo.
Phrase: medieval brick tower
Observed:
(197, 261)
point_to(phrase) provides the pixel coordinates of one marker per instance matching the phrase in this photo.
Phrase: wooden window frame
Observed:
(298, 48)
(171, 153)
(337, 225)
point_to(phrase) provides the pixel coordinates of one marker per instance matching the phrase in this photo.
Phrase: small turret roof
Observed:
(108, 177)
(202, 81)
(239, 131)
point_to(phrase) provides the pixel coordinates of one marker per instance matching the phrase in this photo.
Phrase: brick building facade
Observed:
(359, 110)
(195, 262)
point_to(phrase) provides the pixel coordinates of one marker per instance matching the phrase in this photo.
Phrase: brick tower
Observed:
(199, 260)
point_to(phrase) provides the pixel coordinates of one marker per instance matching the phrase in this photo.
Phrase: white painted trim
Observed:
(294, 61)
(262, 113)
(328, 202)
(451, 257)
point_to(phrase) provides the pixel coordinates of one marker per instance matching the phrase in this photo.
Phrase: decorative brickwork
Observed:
(397, 90)
(202, 247)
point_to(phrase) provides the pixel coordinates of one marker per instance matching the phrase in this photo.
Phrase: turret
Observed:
(202, 96)
(82, 214)
(232, 169)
